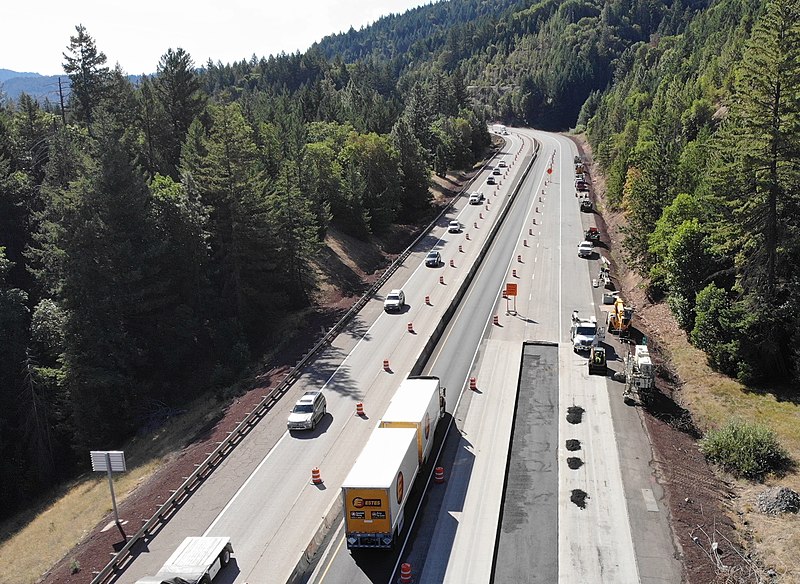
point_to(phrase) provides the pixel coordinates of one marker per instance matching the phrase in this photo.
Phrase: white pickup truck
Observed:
(196, 561)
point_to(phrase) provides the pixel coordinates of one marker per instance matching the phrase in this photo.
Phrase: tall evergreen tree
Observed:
(89, 78)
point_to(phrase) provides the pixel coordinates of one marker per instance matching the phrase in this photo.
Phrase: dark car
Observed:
(586, 205)
(433, 259)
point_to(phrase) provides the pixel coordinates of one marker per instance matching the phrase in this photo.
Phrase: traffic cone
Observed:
(316, 478)
(405, 574)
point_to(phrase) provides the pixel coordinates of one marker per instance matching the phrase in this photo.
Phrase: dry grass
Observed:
(33, 546)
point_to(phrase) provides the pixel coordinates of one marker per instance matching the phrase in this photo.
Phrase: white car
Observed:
(454, 227)
(502, 164)
(395, 301)
(476, 198)
(308, 410)
(585, 249)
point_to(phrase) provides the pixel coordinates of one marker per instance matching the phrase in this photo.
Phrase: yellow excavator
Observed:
(620, 316)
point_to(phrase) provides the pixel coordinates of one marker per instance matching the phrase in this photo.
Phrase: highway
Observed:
(261, 495)
(506, 510)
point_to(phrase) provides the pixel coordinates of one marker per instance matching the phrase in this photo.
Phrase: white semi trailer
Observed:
(196, 561)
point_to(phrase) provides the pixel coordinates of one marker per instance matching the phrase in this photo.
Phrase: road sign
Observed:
(511, 289)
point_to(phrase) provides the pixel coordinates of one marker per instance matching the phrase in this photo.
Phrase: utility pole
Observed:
(61, 98)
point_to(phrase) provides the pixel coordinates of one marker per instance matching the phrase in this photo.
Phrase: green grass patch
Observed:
(745, 449)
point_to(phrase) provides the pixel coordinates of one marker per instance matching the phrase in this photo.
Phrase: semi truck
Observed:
(196, 561)
(375, 491)
(419, 403)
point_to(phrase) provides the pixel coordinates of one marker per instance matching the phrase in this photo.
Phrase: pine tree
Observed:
(89, 78)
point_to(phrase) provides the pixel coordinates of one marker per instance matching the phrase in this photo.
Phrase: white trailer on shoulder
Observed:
(196, 561)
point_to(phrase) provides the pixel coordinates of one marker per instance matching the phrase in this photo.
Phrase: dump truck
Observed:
(639, 372)
(375, 491)
(196, 561)
(419, 403)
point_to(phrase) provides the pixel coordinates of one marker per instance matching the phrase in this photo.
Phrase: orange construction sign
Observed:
(511, 289)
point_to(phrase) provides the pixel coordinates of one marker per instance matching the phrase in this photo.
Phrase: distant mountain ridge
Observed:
(40, 87)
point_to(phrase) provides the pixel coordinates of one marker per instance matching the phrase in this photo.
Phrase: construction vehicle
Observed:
(620, 316)
(584, 333)
(639, 372)
(196, 561)
(419, 403)
(597, 361)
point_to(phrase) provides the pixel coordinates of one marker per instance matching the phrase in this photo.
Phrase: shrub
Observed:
(744, 449)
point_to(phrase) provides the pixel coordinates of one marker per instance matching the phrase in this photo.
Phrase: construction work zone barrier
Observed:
(519, 259)
(496, 320)
(513, 273)
(428, 300)
(441, 279)
(452, 264)
(405, 574)
(438, 475)
(316, 478)
(411, 327)
(473, 383)
(386, 364)
(359, 409)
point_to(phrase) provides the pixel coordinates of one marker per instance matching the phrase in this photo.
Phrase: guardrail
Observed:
(224, 448)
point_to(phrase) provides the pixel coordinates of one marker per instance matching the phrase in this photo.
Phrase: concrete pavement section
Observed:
(527, 549)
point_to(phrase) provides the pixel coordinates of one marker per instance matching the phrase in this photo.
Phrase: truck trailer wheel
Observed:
(205, 580)
(224, 557)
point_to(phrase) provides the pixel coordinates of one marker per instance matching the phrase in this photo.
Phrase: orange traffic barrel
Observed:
(427, 300)
(452, 264)
(461, 249)
(359, 409)
(405, 574)
(480, 215)
(438, 475)
(496, 320)
(519, 259)
(386, 364)
(473, 383)
(525, 242)
(411, 327)
(316, 478)
(441, 279)
(476, 224)
(513, 273)
(466, 235)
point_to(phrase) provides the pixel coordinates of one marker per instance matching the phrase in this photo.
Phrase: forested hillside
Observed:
(701, 140)
(153, 236)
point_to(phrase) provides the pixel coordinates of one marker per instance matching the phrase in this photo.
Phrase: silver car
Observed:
(308, 411)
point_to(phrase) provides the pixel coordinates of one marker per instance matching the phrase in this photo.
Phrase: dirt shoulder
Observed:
(706, 508)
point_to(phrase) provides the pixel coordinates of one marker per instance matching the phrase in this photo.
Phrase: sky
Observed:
(137, 33)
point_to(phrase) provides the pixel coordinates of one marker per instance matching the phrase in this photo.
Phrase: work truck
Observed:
(196, 561)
